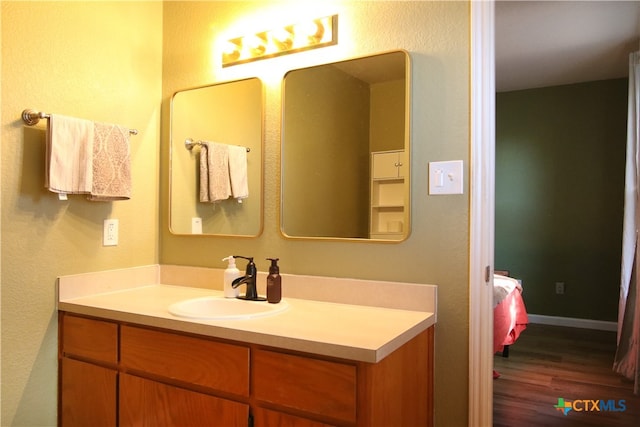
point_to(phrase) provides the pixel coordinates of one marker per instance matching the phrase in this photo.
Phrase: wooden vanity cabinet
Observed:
(123, 375)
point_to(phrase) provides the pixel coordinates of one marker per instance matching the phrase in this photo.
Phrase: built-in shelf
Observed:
(387, 213)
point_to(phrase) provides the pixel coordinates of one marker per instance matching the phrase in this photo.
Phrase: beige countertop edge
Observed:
(371, 355)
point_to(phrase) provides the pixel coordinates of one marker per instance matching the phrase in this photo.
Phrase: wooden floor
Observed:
(551, 362)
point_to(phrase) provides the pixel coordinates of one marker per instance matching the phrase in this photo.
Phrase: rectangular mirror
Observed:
(229, 115)
(345, 150)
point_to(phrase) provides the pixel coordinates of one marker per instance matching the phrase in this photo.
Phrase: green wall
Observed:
(560, 158)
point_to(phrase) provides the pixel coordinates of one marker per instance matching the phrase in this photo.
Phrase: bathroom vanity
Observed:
(124, 360)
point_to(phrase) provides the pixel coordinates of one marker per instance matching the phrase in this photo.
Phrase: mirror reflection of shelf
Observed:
(333, 116)
(387, 195)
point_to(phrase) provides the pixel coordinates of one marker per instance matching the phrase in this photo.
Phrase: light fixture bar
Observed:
(306, 35)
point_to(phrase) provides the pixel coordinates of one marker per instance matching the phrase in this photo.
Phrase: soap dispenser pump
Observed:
(274, 282)
(230, 274)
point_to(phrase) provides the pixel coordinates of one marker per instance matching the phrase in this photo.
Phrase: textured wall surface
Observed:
(436, 34)
(95, 60)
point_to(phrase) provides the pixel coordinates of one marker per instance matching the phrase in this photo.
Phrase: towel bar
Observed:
(32, 117)
(190, 143)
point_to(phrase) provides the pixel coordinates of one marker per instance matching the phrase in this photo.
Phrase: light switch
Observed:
(445, 177)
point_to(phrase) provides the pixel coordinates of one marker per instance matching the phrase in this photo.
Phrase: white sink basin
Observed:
(219, 308)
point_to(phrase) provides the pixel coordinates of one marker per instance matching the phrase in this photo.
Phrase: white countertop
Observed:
(354, 332)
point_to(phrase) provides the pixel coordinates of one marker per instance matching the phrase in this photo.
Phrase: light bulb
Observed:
(256, 44)
(311, 30)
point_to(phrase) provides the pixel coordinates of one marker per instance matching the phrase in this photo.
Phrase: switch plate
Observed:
(560, 288)
(110, 233)
(445, 177)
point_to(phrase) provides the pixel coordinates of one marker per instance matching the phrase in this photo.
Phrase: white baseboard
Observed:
(572, 322)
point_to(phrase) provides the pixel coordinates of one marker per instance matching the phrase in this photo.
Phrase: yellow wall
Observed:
(437, 36)
(96, 60)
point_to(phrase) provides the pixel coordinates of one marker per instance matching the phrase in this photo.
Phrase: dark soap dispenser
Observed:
(274, 282)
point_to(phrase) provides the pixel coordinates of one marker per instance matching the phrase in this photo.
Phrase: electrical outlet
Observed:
(110, 234)
(560, 288)
(196, 225)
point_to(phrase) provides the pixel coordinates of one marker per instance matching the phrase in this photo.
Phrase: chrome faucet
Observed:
(249, 279)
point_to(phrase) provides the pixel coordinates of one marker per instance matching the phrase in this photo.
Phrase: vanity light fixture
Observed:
(294, 38)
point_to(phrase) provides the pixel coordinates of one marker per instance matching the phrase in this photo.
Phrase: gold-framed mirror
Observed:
(221, 117)
(346, 150)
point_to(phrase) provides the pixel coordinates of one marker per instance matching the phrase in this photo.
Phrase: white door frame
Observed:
(481, 184)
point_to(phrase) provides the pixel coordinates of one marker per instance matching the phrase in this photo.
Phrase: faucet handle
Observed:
(251, 266)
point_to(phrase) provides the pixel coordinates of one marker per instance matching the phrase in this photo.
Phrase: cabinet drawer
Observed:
(199, 361)
(317, 386)
(90, 338)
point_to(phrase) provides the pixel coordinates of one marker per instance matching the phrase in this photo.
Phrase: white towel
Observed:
(502, 287)
(111, 163)
(214, 172)
(238, 172)
(69, 163)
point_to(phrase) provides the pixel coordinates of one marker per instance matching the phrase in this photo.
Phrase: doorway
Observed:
(482, 213)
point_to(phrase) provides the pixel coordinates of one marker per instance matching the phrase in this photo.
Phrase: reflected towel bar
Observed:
(190, 143)
(32, 117)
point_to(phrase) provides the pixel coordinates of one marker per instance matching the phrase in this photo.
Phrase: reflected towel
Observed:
(214, 172)
(111, 163)
(69, 151)
(238, 172)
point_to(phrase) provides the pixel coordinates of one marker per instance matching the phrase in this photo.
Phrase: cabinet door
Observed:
(266, 418)
(384, 165)
(149, 403)
(87, 394)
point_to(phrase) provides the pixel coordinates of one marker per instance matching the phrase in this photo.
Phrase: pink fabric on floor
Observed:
(509, 320)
